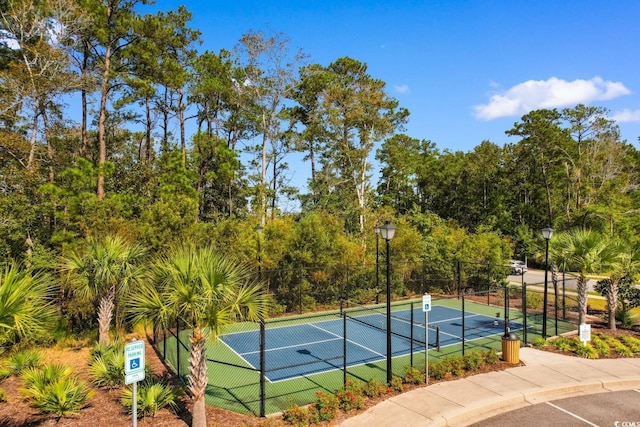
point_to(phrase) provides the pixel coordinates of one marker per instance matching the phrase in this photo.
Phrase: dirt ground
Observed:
(105, 409)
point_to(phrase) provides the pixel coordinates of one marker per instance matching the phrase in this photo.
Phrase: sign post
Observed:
(134, 371)
(426, 307)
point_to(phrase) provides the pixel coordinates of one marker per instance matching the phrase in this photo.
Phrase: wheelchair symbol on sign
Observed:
(134, 364)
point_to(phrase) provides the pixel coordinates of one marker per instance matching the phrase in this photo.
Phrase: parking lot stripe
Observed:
(572, 414)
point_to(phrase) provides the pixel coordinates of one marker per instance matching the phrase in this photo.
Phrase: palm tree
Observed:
(106, 269)
(627, 265)
(206, 291)
(26, 303)
(584, 252)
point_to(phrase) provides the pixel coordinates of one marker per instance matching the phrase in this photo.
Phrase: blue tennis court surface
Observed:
(305, 349)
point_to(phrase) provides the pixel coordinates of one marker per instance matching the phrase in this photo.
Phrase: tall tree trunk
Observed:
(148, 130)
(198, 377)
(83, 97)
(105, 313)
(102, 123)
(612, 303)
(45, 121)
(183, 139)
(33, 141)
(582, 298)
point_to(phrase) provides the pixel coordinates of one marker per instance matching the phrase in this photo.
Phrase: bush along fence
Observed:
(265, 367)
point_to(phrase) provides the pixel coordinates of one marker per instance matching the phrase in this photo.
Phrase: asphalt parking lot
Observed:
(614, 409)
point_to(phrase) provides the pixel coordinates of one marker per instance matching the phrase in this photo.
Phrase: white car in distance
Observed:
(517, 267)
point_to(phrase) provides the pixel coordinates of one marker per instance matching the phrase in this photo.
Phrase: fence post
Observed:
(411, 340)
(524, 312)
(178, 342)
(507, 329)
(300, 293)
(459, 279)
(423, 286)
(344, 349)
(262, 368)
(462, 324)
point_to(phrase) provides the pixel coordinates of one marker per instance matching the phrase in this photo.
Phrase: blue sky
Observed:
(466, 70)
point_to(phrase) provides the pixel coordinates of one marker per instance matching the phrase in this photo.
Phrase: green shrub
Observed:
(412, 375)
(473, 360)
(632, 342)
(4, 371)
(374, 388)
(601, 346)
(622, 349)
(396, 384)
(296, 415)
(455, 364)
(326, 406)
(437, 370)
(534, 300)
(23, 360)
(626, 318)
(586, 351)
(539, 342)
(153, 395)
(491, 356)
(3, 396)
(351, 397)
(563, 343)
(51, 389)
(41, 376)
(106, 366)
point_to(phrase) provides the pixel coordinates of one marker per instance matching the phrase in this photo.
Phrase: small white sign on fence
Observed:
(426, 303)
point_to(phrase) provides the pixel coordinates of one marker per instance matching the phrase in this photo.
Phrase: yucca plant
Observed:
(62, 397)
(23, 360)
(40, 377)
(152, 395)
(107, 369)
(101, 349)
(51, 389)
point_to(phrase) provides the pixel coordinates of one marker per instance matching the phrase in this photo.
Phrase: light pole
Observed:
(387, 231)
(377, 229)
(546, 233)
(259, 229)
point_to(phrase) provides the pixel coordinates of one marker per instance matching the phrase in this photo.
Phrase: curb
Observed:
(487, 408)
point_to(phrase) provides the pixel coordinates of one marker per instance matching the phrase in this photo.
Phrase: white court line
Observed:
(348, 340)
(572, 414)
(295, 345)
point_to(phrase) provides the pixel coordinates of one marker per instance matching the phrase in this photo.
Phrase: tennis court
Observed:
(299, 350)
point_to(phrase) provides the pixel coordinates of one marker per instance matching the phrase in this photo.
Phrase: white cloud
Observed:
(551, 93)
(402, 88)
(626, 116)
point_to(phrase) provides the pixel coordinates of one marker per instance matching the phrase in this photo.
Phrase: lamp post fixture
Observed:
(377, 230)
(546, 233)
(387, 231)
(259, 229)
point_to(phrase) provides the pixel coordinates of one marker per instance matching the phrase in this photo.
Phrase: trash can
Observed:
(511, 348)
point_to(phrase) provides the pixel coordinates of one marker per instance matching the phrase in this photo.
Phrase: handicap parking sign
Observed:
(134, 356)
(426, 302)
(134, 364)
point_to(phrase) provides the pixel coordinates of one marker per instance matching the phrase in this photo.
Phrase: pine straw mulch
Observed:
(105, 409)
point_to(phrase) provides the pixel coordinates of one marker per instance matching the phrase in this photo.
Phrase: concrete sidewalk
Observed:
(546, 376)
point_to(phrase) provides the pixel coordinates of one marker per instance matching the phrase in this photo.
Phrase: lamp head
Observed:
(387, 231)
